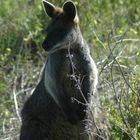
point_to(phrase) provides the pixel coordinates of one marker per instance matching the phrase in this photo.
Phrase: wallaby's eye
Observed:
(61, 32)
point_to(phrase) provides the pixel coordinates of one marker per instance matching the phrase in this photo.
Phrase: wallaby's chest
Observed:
(68, 61)
(67, 68)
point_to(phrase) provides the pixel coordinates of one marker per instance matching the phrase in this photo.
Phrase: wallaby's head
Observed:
(63, 29)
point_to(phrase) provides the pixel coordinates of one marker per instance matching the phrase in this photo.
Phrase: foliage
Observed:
(112, 29)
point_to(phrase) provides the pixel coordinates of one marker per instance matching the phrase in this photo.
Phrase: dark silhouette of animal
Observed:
(59, 108)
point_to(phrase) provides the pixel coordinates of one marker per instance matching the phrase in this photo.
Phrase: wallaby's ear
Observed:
(49, 8)
(70, 10)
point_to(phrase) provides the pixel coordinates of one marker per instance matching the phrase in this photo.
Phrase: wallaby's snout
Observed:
(56, 36)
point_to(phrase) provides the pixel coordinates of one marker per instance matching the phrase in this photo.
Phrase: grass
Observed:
(112, 29)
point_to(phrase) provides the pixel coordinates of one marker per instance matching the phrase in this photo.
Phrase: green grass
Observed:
(112, 29)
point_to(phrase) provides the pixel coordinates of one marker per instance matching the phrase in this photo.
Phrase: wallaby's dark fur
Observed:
(59, 107)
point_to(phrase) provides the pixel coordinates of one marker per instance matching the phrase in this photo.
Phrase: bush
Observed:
(112, 30)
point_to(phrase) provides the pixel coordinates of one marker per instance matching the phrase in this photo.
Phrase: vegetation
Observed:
(112, 28)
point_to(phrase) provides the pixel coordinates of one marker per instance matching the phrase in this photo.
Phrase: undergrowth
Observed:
(112, 29)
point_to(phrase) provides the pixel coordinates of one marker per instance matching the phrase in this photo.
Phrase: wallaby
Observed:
(70, 71)
(57, 109)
